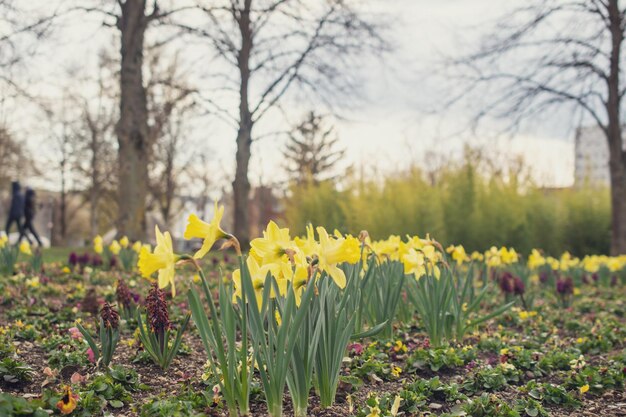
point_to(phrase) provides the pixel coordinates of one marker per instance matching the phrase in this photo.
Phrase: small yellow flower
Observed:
(137, 246)
(396, 371)
(584, 389)
(66, 270)
(25, 248)
(68, 401)
(124, 242)
(115, 247)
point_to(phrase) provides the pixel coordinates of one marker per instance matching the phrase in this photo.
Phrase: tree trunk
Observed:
(617, 162)
(132, 128)
(241, 184)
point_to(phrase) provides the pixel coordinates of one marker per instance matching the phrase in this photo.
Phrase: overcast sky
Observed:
(392, 127)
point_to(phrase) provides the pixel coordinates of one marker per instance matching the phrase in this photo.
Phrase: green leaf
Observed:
(532, 412)
(116, 404)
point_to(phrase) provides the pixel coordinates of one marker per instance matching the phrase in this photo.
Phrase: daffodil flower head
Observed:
(209, 232)
(333, 251)
(25, 248)
(137, 246)
(162, 260)
(258, 275)
(124, 242)
(308, 245)
(273, 246)
(115, 247)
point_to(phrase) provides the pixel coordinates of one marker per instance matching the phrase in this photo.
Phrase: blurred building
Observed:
(591, 162)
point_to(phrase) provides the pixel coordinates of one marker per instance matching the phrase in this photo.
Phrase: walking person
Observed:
(30, 206)
(17, 208)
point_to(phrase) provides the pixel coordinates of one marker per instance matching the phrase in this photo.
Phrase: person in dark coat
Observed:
(29, 215)
(17, 208)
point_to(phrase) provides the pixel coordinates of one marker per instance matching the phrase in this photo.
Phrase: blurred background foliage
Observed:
(473, 202)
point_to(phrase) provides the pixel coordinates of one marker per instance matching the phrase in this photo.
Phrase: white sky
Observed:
(392, 127)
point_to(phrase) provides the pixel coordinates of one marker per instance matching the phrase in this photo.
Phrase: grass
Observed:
(60, 254)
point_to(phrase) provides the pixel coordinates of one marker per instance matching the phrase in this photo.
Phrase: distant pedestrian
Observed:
(16, 212)
(30, 206)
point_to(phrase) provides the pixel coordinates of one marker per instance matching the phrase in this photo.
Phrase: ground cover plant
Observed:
(323, 324)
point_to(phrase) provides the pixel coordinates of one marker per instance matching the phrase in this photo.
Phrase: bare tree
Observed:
(553, 53)
(21, 30)
(15, 159)
(170, 103)
(276, 47)
(310, 153)
(132, 18)
(94, 131)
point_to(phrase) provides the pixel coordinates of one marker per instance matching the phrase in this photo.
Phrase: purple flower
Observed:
(73, 259)
(84, 259)
(565, 286)
(518, 286)
(96, 260)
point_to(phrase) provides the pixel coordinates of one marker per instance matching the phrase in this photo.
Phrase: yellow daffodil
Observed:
(334, 251)
(98, 244)
(209, 232)
(162, 259)
(115, 247)
(4, 239)
(308, 245)
(420, 262)
(124, 242)
(273, 247)
(414, 263)
(458, 254)
(258, 275)
(137, 246)
(584, 389)
(25, 248)
(299, 277)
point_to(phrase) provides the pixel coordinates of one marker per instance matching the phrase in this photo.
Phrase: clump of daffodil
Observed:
(98, 244)
(258, 275)
(536, 259)
(209, 232)
(162, 260)
(419, 262)
(25, 248)
(336, 250)
(115, 247)
(296, 273)
(458, 254)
